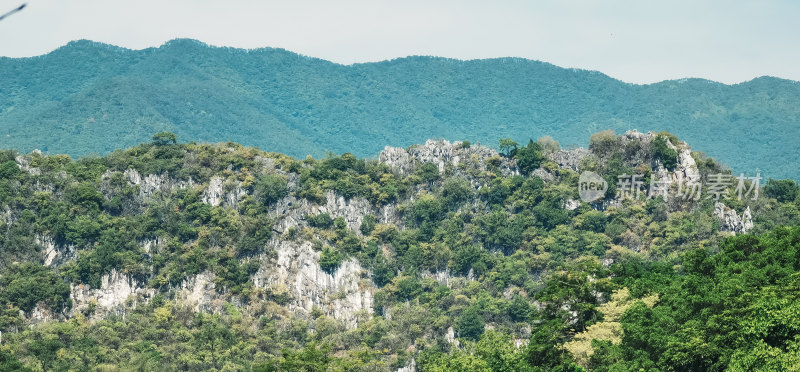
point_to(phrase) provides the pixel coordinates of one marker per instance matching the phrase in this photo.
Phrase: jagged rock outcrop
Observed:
(115, 290)
(637, 146)
(572, 204)
(543, 174)
(54, 254)
(291, 212)
(442, 277)
(570, 159)
(216, 194)
(200, 293)
(152, 183)
(410, 367)
(731, 221)
(343, 295)
(40, 314)
(442, 153)
(397, 158)
(687, 167)
(24, 163)
(450, 337)
(638, 151)
(152, 245)
(8, 216)
(685, 171)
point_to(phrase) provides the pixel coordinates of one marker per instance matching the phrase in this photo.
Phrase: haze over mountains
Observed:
(89, 98)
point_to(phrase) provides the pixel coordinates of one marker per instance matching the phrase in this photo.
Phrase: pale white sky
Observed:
(635, 41)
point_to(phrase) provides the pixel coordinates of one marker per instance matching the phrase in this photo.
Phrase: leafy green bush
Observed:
(603, 143)
(383, 270)
(455, 192)
(322, 221)
(368, 224)
(428, 172)
(551, 213)
(664, 153)
(165, 138)
(425, 213)
(519, 309)
(330, 259)
(465, 257)
(27, 284)
(9, 169)
(782, 190)
(529, 157)
(9, 363)
(508, 147)
(270, 188)
(471, 324)
(87, 196)
(592, 221)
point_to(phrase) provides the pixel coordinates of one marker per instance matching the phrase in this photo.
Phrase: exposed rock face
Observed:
(353, 210)
(115, 289)
(213, 194)
(442, 277)
(638, 151)
(153, 183)
(8, 216)
(291, 212)
(342, 295)
(731, 221)
(200, 292)
(543, 174)
(233, 197)
(637, 145)
(397, 158)
(570, 159)
(216, 194)
(687, 167)
(25, 165)
(54, 254)
(152, 245)
(40, 314)
(410, 367)
(572, 204)
(685, 171)
(292, 267)
(450, 336)
(443, 154)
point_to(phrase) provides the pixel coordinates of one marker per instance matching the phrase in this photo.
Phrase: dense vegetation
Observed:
(646, 284)
(87, 98)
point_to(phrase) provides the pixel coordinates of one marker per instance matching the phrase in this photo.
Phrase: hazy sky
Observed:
(636, 41)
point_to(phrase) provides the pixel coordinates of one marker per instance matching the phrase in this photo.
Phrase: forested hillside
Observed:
(438, 257)
(87, 98)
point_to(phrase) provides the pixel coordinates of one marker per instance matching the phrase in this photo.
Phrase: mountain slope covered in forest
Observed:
(438, 257)
(88, 97)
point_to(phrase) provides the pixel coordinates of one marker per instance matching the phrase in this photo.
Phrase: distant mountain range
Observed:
(89, 97)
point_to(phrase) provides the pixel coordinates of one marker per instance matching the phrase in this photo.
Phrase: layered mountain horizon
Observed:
(91, 98)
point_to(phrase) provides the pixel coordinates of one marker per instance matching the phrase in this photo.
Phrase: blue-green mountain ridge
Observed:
(87, 97)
